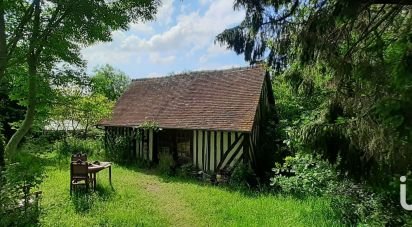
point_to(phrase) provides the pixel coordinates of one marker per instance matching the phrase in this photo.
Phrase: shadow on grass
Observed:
(84, 200)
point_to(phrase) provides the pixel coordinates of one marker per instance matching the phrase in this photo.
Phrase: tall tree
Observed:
(109, 82)
(364, 48)
(50, 32)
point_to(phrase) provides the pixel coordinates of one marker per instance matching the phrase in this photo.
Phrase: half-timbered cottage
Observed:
(211, 119)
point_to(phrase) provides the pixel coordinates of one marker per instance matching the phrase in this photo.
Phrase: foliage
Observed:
(267, 151)
(44, 38)
(11, 212)
(118, 149)
(304, 175)
(2, 156)
(93, 109)
(9, 109)
(187, 171)
(242, 176)
(80, 110)
(16, 183)
(109, 82)
(351, 60)
(73, 145)
(355, 203)
(342, 84)
(147, 125)
(166, 163)
(46, 97)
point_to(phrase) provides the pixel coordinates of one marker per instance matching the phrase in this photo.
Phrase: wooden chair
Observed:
(76, 157)
(79, 175)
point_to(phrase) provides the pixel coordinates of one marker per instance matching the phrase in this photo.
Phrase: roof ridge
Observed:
(196, 72)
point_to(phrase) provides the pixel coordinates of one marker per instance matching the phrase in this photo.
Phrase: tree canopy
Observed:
(41, 39)
(354, 59)
(109, 82)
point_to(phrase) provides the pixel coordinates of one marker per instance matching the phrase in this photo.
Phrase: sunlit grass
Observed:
(140, 197)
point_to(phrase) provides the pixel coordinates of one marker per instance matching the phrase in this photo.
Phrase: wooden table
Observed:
(94, 168)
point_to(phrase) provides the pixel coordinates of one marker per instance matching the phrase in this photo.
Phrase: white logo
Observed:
(404, 204)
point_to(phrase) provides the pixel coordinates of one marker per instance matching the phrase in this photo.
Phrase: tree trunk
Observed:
(86, 129)
(15, 140)
(32, 61)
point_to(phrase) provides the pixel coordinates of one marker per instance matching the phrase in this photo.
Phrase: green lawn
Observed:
(142, 197)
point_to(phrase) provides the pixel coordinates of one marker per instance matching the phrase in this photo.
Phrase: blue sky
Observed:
(180, 39)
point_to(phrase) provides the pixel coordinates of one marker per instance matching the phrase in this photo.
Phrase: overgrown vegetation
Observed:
(118, 149)
(342, 80)
(145, 197)
(19, 205)
(166, 164)
(341, 72)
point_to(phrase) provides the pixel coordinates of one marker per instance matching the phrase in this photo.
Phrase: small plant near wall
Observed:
(150, 125)
(166, 164)
(147, 125)
(119, 147)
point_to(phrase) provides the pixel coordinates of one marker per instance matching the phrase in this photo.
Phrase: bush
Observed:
(187, 170)
(354, 203)
(304, 175)
(119, 149)
(166, 163)
(73, 145)
(242, 176)
(16, 182)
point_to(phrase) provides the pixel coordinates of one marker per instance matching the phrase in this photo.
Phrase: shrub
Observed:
(242, 176)
(187, 170)
(354, 203)
(73, 145)
(16, 182)
(304, 175)
(166, 163)
(119, 149)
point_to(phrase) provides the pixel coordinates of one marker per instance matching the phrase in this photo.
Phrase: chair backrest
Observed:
(78, 169)
(79, 156)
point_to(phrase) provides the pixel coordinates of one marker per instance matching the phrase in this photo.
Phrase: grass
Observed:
(144, 198)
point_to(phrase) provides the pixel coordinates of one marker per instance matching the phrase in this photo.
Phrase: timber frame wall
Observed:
(141, 144)
(266, 102)
(216, 150)
(211, 150)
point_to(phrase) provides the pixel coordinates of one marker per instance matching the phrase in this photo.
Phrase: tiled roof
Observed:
(216, 100)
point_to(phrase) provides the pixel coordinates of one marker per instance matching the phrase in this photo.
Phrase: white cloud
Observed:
(141, 28)
(214, 49)
(214, 67)
(191, 33)
(204, 2)
(153, 75)
(165, 12)
(156, 58)
(184, 8)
